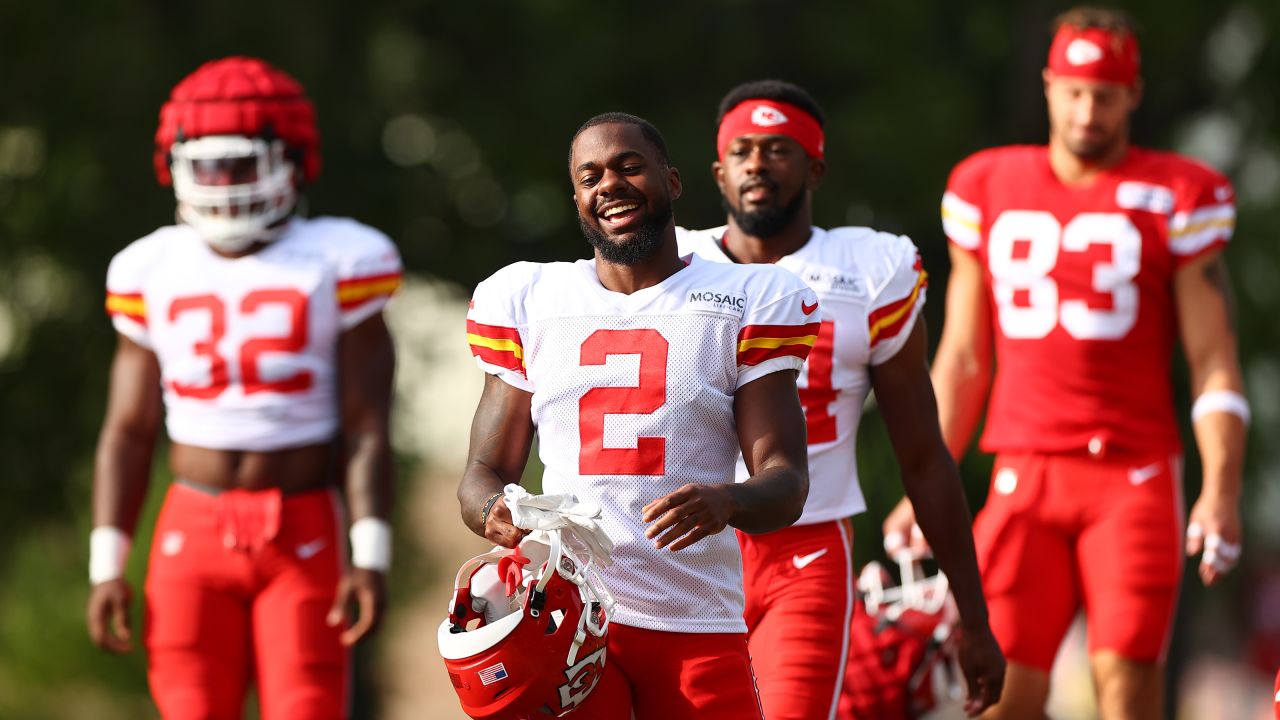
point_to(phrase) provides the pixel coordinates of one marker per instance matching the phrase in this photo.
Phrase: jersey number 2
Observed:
(649, 457)
(1031, 274)
(296, 305)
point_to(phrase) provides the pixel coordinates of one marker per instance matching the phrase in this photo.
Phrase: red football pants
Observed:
(1061, 532)
(240, 582)
(799, 591)
(673, 676)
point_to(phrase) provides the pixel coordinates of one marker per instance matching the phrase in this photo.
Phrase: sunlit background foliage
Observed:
(446, 125)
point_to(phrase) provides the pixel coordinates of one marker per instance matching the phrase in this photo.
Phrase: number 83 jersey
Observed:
(247, 346)
(633, 398)
(1080, 280)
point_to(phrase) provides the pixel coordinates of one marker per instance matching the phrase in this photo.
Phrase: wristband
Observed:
(1224, 401)
(371, 544)
(488, 508)
(108, 552)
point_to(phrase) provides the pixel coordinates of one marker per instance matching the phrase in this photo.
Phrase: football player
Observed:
(799, 580)
(644, 376)
(1082, 263)
(257, 335)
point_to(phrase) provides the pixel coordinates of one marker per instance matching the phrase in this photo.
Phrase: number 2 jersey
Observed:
(1080, 281)
(633, 397)
(872, 289)
(247, 347)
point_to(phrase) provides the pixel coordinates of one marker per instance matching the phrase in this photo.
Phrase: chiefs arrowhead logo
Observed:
(767, 116)
(806, 308)
(1083, 52)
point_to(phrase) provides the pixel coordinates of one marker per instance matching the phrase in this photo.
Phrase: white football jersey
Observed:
(247, 346)
(633, 398)
(872, 289)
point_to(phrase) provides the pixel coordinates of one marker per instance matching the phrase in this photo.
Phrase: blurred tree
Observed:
(447, 124)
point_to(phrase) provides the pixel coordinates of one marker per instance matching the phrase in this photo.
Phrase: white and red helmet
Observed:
(526, 631)
(235, 138)
(903, 661)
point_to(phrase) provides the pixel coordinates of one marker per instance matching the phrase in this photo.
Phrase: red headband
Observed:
(771, 117)
(1094, 54)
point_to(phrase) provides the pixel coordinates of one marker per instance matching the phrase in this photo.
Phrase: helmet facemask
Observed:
(234, 190)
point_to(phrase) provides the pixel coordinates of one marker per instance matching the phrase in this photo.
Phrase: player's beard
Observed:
(637, 246)
(768, 221)
(1099, 149)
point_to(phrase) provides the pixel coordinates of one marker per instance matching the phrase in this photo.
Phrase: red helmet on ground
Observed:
(902, 649)
(524, 644)
(234, 139)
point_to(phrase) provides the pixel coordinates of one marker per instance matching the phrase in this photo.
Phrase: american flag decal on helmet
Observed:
(493, 674)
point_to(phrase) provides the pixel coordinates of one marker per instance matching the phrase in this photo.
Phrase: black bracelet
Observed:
(488, 507)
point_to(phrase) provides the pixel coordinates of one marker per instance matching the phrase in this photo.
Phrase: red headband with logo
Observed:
(771, 117)
(1094, 54)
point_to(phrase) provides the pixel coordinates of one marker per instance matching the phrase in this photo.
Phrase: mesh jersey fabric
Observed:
(633, 398)
(1080, 280)
(871, 287)
(247, 346)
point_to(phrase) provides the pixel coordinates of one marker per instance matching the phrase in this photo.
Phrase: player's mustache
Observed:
(758, 182)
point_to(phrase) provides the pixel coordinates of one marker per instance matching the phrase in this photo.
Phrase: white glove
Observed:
(564, 511)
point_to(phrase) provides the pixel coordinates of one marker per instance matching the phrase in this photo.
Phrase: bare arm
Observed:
(501, 436)
(905, 397)
(962, 367)
(771, 432)
(122, 465)
(366, 367)
(122, 472)
(961, 374)
(1202, 291)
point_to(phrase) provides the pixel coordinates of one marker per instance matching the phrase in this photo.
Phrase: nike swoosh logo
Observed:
(807, 309)
(802, 561)
(1137, 476)
(309, 550)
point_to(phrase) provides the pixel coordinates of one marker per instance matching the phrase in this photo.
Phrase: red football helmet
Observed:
(234, 139)
(902, 649)
(521, 644)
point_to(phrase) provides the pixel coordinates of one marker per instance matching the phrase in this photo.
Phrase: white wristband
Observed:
(371, 544)
(1224, 401)
(108, 552)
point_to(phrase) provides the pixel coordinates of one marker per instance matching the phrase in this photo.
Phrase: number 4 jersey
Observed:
(633, 397)
(872, 288)
(1081, 286)
(247, 347)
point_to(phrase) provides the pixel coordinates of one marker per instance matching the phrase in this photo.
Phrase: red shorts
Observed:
(1061, 532)
(239, 584)
(673, 676)
(799, 592)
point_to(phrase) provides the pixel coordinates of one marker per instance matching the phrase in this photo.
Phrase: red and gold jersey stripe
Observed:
(758, 343)
(884, 323)
(130, 305)
(358, 291)
(496, 345)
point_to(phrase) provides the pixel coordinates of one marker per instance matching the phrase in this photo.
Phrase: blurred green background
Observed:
(446, 125)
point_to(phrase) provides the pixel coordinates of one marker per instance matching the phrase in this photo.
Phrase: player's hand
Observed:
(902, 533)
(498, 528)
(367, 591)
(689, 514)
(983, 666)
(1214, 529)
(108, 616)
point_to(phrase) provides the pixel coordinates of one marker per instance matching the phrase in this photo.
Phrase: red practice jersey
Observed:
(1080, 280)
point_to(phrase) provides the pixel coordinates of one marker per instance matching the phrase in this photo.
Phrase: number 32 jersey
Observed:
(1080, 281)
(633, 398)
(872, 289)
(247, 347)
